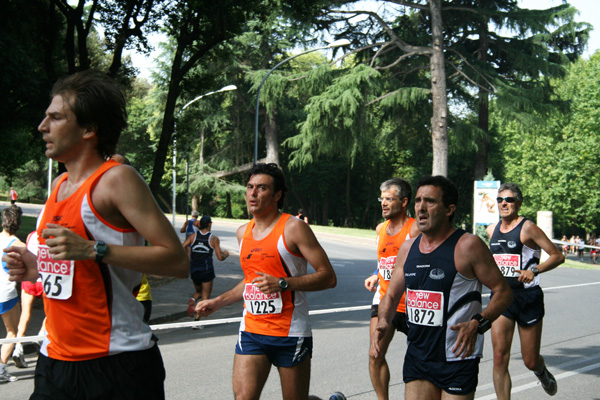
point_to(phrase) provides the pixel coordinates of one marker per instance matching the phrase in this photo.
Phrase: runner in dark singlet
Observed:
(516, 242)
(442, 271)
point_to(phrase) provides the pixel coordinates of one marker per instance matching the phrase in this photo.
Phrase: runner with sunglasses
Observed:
(516, 242)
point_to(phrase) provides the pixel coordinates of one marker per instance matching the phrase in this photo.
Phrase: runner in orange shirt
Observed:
(91, 255)
(397, 227)
(275, 328)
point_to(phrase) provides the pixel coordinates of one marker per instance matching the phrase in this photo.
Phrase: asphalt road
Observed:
(199, 362)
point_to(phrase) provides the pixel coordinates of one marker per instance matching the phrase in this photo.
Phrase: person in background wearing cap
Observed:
(203, 244)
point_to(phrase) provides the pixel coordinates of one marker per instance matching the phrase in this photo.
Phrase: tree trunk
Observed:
(168, 125)
(228, 207)
(483, 118)
(325, 210)
(195, 202)
(201, 159)
(349, 221)
(271, 139)
(439, 120)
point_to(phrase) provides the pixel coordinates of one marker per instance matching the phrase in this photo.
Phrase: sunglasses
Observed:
(507, 199)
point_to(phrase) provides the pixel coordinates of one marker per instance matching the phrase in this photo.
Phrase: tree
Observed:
(431, 12)
(500, 50)
(31, 62)
(563, 172)
(127, 24)
(197, 27)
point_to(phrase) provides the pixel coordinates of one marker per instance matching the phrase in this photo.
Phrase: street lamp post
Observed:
(337, 43)
(186, 105)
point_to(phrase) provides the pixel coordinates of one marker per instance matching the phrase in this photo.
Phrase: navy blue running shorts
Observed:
(281, 351)
(207, 275)
(453, 377)
(399, 320)
(128, 376)
(527, 308)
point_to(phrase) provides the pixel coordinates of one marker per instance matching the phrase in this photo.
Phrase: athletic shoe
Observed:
(337, 396)
(19, 356)
(548, 382)
(191, 305)
(6, 377)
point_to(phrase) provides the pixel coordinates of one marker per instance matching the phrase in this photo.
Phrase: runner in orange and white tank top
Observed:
(281, 313)
(387, 249)
(96, 296)
(397, 227)
(90, 252)
(274, 253)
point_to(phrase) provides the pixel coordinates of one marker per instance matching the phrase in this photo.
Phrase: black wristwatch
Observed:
(101, 249)
(283, 284)
(484, 323)
(535, 271)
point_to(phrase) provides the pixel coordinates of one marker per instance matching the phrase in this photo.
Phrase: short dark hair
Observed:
(11, 219)
(449, 191)
(276, 173)
(513, 187)
(97, 103)
(401, 185)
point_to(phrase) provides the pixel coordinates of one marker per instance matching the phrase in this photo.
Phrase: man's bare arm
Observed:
(533, 236)
(389, 302)
(216, 244)
(473, 259)
(184, 227)
(301, 240)
(233, 295)
(123, 199)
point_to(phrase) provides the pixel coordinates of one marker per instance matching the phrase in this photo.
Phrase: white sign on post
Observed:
(485, 206)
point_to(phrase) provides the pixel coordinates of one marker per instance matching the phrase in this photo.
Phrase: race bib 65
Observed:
(57, 275)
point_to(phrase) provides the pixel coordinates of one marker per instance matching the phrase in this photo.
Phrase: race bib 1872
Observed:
(57, 275)
(424, 307)
(259, 303)
(386, 266)
(508, 263)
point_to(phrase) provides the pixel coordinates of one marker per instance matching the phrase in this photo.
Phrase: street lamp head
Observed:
(339, 43)
(228, 87)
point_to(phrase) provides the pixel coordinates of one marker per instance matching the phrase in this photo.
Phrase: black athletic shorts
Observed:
(126, 376)
(453, 377)
(399, 320)
(527, 308)
(206, 275)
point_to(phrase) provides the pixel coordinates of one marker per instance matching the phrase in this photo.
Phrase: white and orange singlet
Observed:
(387, 250)
(90, 307)
(282, 314)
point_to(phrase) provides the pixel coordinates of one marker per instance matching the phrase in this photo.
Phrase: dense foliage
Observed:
(519, 101)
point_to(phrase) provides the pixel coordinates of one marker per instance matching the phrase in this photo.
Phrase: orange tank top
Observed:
(90, 307)
(283, 314)
(387, 250)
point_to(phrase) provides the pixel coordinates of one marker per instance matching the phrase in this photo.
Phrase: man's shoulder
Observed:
(119, 176)
(293, 223)
(469, 242)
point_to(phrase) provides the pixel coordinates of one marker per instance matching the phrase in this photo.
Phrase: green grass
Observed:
(579, 265)
(364, 233)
